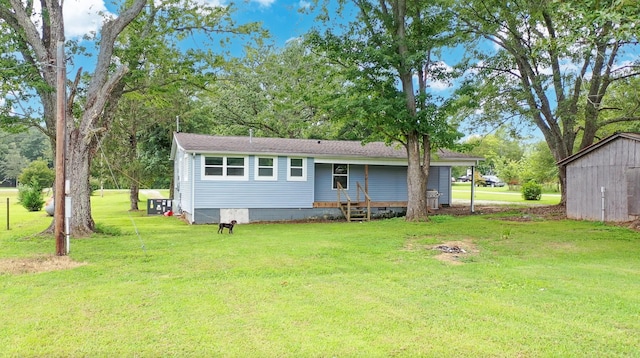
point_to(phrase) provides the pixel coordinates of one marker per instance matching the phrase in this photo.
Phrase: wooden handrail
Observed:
(347, 212)
(367, 199)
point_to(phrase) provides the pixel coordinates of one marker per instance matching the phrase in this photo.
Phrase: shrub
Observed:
(37, 174)
(30, 196)
(531, 191)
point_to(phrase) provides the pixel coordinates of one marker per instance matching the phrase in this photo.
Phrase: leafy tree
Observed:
(623, 99)
(31, 36)
(550, 63)
(497, 149)
(389, 55)
(274, 92)
(141, 135)
(17, 149)
(539, 165)
(510, 171)
(13, 163)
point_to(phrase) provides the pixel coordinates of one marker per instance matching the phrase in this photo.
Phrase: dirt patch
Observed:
(552, 212)
(634, 225)
(45, 263)
(453, 252)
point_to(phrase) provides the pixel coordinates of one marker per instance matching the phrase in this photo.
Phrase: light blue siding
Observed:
(440, 179)
(386, 183)
(253, 193)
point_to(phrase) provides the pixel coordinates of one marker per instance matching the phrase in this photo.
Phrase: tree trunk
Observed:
(134, 190)
(79, 155)
(416, 181)
(133, 169)
(562, 176)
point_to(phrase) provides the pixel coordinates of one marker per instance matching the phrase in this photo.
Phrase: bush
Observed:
(37, 174)
(531, 191)
(30, 196)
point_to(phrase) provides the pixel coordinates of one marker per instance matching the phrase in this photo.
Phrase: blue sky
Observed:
(281, 17)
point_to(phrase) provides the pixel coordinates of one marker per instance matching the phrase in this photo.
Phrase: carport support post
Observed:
(473, 188)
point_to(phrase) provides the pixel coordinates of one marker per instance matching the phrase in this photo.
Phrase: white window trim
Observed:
(342, 175)
(257, 167)
(304, 170)
(224, 176)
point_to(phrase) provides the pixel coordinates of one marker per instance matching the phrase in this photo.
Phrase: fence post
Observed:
(7, 214)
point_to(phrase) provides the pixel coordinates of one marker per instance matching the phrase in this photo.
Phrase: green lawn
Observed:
(532, 288)
(502, 194)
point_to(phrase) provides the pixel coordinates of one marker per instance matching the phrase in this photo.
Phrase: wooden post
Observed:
(366, 178)
(59, 201)
(7, 214)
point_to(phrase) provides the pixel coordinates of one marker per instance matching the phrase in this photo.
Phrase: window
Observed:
(341, 175)
(297, 169)
(225, 168)
(266, 168)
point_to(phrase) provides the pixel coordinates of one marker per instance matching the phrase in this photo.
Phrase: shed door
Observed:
(633, 190)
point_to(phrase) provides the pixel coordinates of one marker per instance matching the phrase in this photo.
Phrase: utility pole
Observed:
(59, 198)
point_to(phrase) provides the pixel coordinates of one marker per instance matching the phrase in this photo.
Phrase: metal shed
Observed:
(603, 180)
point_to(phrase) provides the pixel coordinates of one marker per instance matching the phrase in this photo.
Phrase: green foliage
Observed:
(531, 191)
(379, 91)
(30, 196)
(275, 93)
(13, 162)
(38, 174)
(539, 165)
(498, 149)
(510, 171)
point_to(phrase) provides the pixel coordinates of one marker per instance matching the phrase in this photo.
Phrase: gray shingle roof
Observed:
(200, 143)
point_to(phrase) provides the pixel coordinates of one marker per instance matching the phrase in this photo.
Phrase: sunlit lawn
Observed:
(501, 194)
(531, 288)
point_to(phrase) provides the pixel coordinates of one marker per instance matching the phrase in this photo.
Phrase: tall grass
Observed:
(533, 288)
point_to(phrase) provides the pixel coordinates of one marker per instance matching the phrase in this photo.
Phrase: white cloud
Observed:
(212, 3)
(83, 16)
(304, 4)
(264, 3)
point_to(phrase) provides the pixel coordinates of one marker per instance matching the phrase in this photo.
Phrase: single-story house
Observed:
(603, 180)
(250, 179)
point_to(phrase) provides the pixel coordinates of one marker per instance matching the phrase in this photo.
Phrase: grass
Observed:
(502, 194)
(533, 289)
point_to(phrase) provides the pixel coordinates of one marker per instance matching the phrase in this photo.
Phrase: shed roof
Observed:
(595, 146)
(200, 143)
